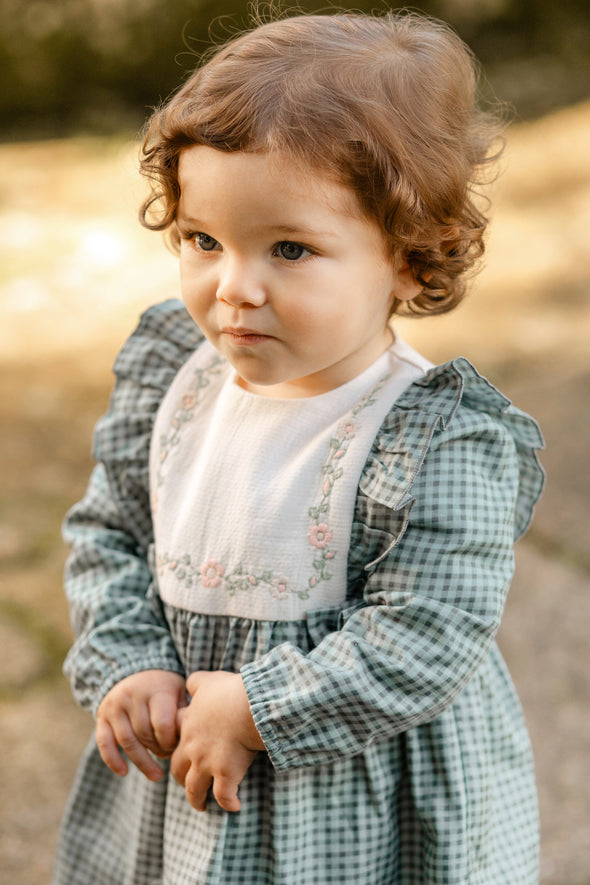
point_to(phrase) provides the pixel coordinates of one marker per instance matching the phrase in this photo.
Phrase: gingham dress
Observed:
(396, 749)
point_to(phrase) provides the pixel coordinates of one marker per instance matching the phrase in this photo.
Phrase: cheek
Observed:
(185, 276)
(308, 318)
(193, 282)
(192, 297)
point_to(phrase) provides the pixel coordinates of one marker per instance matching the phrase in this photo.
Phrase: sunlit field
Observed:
(76, 269)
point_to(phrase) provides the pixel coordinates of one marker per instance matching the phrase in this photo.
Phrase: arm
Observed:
(117, 630)
(123, 665)
(118, 624)
(430, 611)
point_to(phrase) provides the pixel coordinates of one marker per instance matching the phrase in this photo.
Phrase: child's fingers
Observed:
(179, 765)
(121, 733)
(140, 757)
(108, 748)
(225, 791)
(196, 785)
(163, 709)
(142, 726)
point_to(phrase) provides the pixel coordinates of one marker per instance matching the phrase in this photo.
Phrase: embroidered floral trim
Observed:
(211, 573)
(185, 412)
(320, 535)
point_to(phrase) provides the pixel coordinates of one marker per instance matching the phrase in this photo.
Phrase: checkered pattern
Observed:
(397, 753)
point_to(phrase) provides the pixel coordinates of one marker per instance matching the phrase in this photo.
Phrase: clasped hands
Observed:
(211, 741)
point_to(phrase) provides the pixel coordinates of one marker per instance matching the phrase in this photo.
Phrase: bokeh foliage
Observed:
(98, 65)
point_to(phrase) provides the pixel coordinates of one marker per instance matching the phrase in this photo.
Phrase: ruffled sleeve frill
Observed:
(117, 621)
(449, 398)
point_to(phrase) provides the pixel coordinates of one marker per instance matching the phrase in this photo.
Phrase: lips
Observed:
(241, 335)
(240, 330)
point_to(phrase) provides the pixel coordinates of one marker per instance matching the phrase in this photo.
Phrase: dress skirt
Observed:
(451, 802)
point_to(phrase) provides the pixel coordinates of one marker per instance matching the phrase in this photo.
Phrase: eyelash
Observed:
(192, 237)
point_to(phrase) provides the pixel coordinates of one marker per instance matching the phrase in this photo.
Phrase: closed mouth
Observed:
(246, 336)
(231, 330)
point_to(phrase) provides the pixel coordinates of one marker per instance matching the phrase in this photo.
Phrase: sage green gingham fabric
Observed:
(397, 752)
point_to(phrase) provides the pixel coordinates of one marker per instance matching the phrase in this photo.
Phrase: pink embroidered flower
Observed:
(211, 573)
(320, 535)
(349, 430)
(188, 400)
(279, 589)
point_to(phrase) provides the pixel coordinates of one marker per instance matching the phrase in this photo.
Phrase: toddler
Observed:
(291, 561)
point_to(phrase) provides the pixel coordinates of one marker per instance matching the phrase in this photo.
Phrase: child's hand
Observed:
(218, 739)
(139, 714)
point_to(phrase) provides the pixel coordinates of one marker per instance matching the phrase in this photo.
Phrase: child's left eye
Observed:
(205, 242)
(291, 251)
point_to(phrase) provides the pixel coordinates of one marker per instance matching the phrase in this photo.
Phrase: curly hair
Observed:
(385, 105)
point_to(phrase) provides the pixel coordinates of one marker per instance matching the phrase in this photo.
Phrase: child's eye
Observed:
(205, 242)
(291, 251)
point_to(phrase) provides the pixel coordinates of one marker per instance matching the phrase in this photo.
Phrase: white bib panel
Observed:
(253, 497)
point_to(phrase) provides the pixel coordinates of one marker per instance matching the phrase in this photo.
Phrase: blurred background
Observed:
(78, 79)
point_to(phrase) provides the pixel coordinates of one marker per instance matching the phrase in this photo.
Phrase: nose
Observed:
(240, 284)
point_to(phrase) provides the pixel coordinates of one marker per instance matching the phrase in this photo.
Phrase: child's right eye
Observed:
(205, 242)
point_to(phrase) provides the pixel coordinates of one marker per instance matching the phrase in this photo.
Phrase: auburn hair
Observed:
(385, 105)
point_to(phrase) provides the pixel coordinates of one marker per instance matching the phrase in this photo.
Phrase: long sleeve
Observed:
(432, 597)
(117, 620)
(119, 630)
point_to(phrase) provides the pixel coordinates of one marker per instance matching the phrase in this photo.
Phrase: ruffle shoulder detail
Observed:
(449, 396)
(145, 368)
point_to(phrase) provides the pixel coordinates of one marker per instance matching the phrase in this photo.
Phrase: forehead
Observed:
(210, 177)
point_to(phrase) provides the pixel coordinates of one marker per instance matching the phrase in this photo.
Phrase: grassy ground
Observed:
(76, 268)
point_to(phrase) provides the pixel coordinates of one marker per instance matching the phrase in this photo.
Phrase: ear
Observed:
(406, 285)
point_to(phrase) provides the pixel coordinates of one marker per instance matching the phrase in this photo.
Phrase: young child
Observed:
(292, 558)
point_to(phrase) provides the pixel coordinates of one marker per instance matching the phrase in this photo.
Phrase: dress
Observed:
(397, 752)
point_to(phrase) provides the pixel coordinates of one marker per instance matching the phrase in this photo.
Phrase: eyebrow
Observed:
(187, 220)
(279, 229)
(295, 230)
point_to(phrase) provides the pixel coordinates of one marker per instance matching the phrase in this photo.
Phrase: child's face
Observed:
(282, 273)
